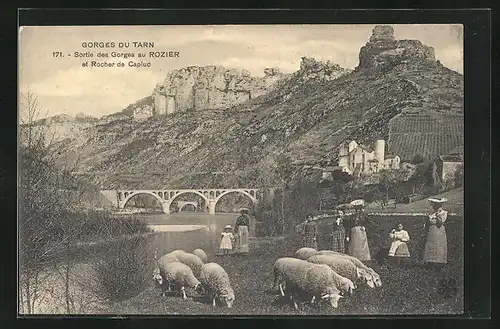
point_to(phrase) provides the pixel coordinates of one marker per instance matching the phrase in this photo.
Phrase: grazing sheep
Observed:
(358, 263)
(280, 268)
(200, 253)
(305, 253)
(177, 252)
(346, 267)
(301, 276)
(215, 284)
(343, 283)
(191, 260)
(175, 274)
(167, 258)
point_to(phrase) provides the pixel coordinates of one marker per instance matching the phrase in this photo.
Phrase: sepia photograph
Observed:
(294, 169)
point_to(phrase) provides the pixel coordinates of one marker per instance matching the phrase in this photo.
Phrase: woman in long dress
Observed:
(358, 242)
(338, 234)
(310, 233)
(399, 248)
(241, 229)
(436, 244)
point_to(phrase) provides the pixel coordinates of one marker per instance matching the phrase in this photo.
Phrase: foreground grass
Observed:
(406, 290)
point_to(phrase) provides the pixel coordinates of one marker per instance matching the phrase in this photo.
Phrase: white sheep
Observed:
(167, 258)
(343, 283)
(279, 268)
(375, 276)
(301, 276)
(177, 252)
(200, 253)
(191, 260)
(305, 253)
(344, 267)
(215, 284)
(177, 275)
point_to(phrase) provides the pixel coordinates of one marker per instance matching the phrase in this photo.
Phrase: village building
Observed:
(357, 159)
(327, 173)
(444, 167)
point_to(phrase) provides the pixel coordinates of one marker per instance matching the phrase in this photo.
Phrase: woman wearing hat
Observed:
(309, 233)
(436, 244)
(241, 229)
(338, 234)
(358, 242)
(226, 240)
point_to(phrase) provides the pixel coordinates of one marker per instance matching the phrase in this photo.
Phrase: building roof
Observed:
(452, 158)
(457, 150)
(366, 148)
(390, 155)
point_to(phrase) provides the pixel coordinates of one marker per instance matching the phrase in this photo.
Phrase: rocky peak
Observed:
(382, 50)
(271, 71)
(382, 33)
(310, 68)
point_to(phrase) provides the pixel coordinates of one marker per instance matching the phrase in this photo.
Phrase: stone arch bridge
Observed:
(166, 197)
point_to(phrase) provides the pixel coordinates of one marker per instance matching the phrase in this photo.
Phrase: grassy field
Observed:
(406, 290)
(455, 204)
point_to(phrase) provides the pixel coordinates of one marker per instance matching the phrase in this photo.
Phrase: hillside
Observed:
(392, 94)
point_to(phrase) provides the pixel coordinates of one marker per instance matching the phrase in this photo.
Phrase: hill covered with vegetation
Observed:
(399, 92)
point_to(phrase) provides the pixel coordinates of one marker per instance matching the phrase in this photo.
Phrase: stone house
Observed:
(327, 173)
(358, 159)
(444, 167)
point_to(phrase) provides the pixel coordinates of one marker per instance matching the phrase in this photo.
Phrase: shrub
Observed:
(124, 269)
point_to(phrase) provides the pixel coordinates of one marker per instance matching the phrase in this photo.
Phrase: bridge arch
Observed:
(131, 195)
(169, 202)
(252, 198)
(182, 204)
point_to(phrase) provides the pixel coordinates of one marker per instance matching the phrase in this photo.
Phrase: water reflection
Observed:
(190, 230)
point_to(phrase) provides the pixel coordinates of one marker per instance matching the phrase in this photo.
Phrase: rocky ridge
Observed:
(210, 87)
(306, 115)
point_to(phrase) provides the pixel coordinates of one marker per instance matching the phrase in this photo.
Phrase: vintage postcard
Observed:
(241, 169)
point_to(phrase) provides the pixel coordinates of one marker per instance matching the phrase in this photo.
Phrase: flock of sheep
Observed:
(178, 270)
(321, 275)
(316, 275)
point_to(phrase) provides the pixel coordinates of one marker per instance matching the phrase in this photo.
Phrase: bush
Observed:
(126, 267)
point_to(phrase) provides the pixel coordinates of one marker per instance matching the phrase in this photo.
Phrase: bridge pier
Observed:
(165, 206)
(211, 207)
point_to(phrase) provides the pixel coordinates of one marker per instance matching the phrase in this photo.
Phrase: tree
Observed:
(417, 159)
(45, 197)
(352, 190)
(459, 175)
(389, 183)
(285, 173)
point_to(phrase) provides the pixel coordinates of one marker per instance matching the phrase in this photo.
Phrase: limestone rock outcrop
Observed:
(382, 50)
(311, 68)
(210, 87)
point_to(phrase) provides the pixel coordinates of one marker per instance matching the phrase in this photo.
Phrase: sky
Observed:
(62, 85)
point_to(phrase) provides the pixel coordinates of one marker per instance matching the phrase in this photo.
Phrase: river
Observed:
(190, 230)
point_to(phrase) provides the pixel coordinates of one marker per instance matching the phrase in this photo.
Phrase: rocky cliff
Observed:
(305, 116)
(210, 87)
(383, 51)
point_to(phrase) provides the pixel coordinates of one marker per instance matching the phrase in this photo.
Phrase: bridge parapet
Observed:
(167, 196)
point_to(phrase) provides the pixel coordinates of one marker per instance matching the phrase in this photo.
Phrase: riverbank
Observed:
(406, 290)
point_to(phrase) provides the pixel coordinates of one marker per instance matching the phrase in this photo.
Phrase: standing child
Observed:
(226, 242)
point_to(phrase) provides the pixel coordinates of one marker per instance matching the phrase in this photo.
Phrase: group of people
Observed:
(236, 242)
(435, 250)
